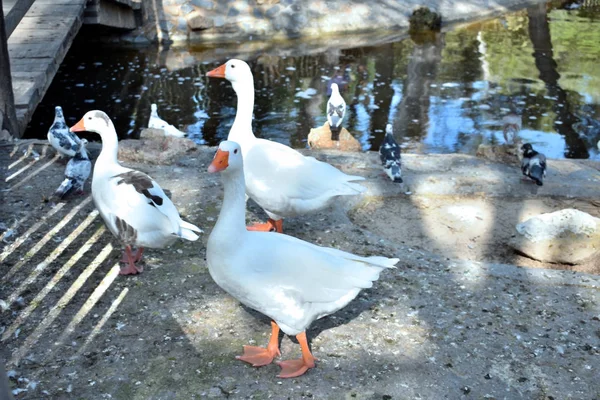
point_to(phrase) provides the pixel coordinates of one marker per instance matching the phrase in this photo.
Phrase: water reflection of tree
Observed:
(384, 92)
(539, 34)
(412, 119)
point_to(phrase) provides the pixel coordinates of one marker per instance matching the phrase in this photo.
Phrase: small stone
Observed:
(466, 389)
(206, 4)
(271, 12)
(186, 9)
(228, 384)
(215, 392)
(487, 376)
(182, 24)
(219, 21)
(233, 12)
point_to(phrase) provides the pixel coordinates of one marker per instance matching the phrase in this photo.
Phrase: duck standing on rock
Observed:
(77, 171)
(157, 122)
(533, 164)
(336, 109)
(291, 281)
(133, 205)
(389, 153)
(64, 141)
(281, 180)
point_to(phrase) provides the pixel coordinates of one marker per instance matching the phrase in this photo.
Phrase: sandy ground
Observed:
(452, 321)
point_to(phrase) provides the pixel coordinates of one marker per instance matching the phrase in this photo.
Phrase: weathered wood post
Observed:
(8, 115)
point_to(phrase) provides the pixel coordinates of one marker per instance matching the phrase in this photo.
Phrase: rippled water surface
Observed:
(444, 94)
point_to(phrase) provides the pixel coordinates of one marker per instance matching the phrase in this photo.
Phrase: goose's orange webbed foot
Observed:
(294, 368)
(270, 226)
(130, 260)
(259, 356)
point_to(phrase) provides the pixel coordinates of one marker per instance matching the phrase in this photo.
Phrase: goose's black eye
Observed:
(90, 118)
(235, 151)
(232, 65)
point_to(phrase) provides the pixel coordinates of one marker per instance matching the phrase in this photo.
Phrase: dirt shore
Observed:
(461, 316)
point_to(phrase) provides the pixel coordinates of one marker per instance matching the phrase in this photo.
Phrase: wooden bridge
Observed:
(35, 35)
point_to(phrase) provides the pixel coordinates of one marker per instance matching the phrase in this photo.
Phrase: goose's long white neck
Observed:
(110, 147)
(231, 223)
(241, 131)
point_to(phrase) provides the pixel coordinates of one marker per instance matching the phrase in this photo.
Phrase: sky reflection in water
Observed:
(445, 95)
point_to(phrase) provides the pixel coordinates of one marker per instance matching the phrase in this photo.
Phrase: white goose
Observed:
(336, 109)
(64, 142)
(157, 122)
(291, 281)
(133, 205)
(280, 179)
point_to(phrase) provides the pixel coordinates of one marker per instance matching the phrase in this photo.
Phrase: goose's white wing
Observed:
(279, 178)
(137, 193)
(308, 272)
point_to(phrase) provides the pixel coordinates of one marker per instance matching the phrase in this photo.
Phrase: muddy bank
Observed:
(454, 319)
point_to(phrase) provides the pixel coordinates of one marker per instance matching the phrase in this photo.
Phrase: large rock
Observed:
(568, 236)
(320, 138)
(198, 21)
(154, 147)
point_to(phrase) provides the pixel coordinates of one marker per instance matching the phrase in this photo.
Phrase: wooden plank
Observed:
(59, 2)
(34, 50)
(53, 11)
(36, 36)
(27, 65)
(27, 87)
(16, 14)
(57, 24)
(37, 48)
(8, 117)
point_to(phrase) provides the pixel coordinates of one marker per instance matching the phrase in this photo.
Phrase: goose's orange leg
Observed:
(131, 268)
(138, 256)
(258, 356)
(270, 226)
(294, 368)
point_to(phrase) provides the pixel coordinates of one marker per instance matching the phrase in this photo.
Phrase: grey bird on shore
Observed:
(336, 109)
(389, 153)
(66, 143)
(77, 171)
(533, 164)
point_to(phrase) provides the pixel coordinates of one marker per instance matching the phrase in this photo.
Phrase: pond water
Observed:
(447, 93)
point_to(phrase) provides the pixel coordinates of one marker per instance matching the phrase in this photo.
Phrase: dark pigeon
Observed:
(389, 153)
(533, 164)
(77, 171)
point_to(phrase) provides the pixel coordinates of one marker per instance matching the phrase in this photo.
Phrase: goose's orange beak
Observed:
(78, 127)
(220, 162)
(218, 72)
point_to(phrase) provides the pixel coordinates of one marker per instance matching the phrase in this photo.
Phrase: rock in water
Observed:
(320, 138)
(567, 236)
(423, 19)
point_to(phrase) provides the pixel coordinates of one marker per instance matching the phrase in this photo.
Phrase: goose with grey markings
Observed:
(134, 207)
